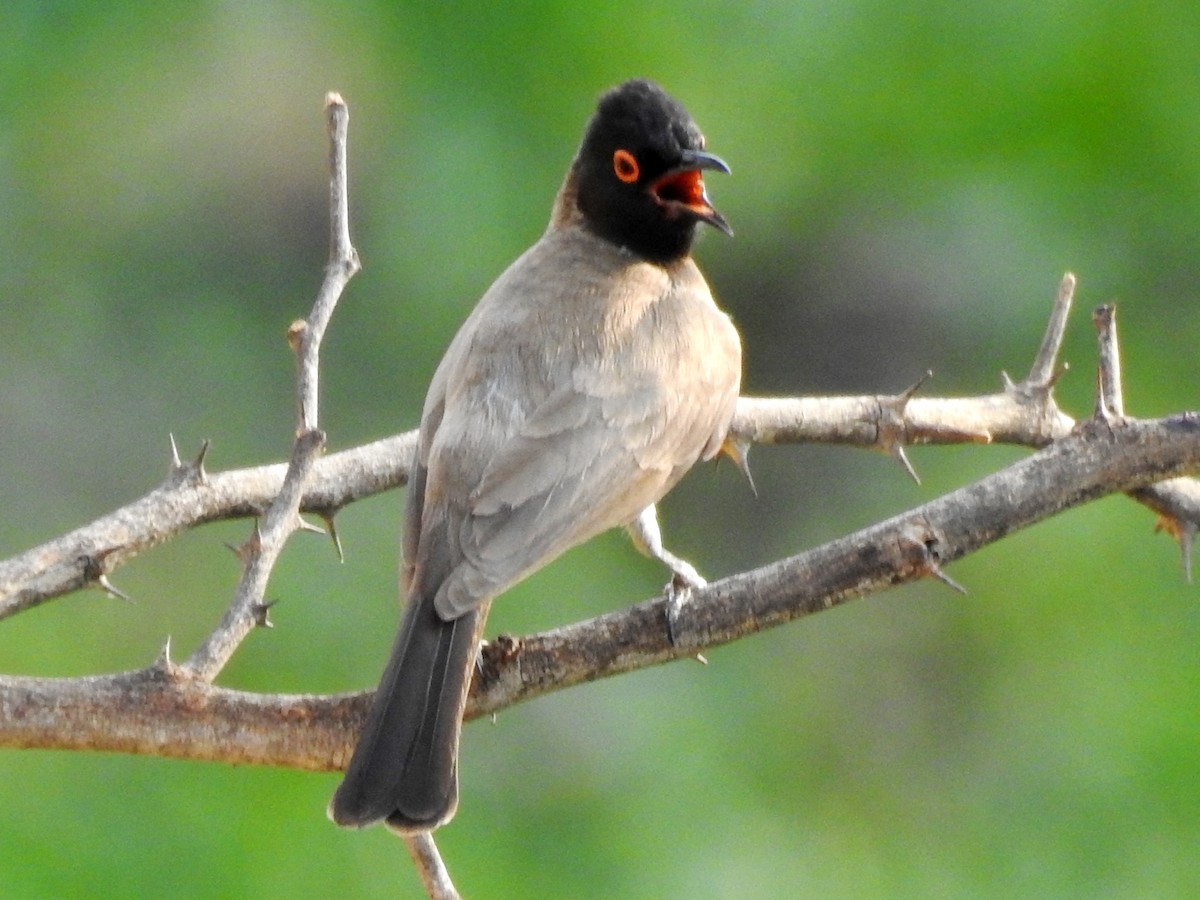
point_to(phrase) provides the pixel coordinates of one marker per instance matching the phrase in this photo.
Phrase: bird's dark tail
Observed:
(405, 767)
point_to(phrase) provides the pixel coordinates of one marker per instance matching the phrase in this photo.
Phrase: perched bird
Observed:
(591, 376)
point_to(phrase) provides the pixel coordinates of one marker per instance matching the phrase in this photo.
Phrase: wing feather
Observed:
(544, 444)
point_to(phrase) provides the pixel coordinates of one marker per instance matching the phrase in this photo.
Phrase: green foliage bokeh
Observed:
(910, 182)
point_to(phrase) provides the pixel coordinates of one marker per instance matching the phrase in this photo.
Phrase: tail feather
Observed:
(405, 767)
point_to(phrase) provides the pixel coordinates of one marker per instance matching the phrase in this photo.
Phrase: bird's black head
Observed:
(638, 173)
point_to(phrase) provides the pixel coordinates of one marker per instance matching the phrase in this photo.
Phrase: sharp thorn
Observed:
(163, 664)
(909, 392)
(302, 524)
(163, 660)
(1184, 534)
(936, 572)
(113, 591)
(897, 452)
(738, 450)
(187, 473)
(202, 475)
(892, 428)
(331, 528)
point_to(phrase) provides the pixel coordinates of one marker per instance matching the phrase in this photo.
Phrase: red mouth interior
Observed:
(686, 188)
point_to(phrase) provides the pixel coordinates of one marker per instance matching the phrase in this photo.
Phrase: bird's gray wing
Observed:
(590, 457)
(567, 475)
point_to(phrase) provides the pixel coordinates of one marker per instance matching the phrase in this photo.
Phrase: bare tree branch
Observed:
(190, 497)
(187, 499)
(305, 336)
(1023, 414)
(1177, 500)
(163, 711)
(433, 872)
(248, 609)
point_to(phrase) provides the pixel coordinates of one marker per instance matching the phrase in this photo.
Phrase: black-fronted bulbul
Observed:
(591, 376)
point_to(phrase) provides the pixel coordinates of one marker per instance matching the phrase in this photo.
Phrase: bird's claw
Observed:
(678, 592)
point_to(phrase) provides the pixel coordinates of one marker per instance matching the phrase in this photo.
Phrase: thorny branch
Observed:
(160, 711)
(258, 554)
(1079, 463)
(433, 872)
(1024, 414)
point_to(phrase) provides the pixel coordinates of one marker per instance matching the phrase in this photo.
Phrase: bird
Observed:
(590, 377)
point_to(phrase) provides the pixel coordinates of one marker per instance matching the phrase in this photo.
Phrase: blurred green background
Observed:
(910, 182)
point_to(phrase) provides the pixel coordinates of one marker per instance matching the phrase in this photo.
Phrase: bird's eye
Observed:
(626, 166)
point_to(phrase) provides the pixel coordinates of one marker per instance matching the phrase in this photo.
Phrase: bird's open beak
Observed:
(683, 187)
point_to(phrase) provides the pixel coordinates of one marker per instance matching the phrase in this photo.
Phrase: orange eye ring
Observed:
(626, 167)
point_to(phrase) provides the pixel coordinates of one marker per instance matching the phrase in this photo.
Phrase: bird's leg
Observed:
(647, 537)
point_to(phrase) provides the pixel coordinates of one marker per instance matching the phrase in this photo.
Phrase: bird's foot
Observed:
(678, 592)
